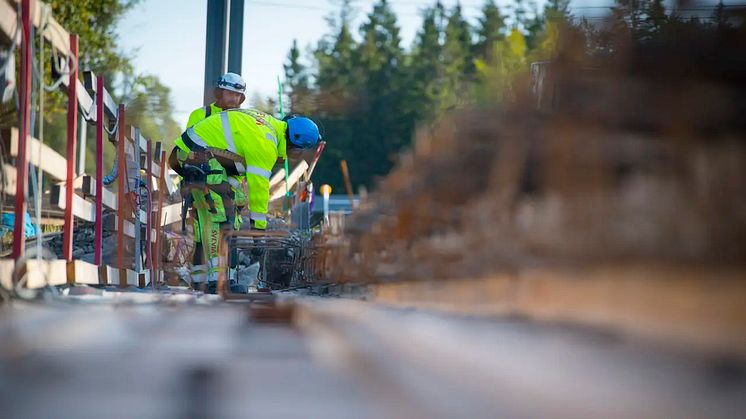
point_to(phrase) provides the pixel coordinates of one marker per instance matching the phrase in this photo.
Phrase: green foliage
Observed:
(297, 85)
(370, 93)
(497, 73)
(149, 107)
(490, 30)
(148, 101)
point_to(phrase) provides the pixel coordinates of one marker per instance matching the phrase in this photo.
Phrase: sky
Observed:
(168, 38)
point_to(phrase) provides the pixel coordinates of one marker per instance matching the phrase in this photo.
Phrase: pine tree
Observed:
(297, 83)
(338, 92)
(457, 58)
(425, 70)
(383, 127)
(491, 29)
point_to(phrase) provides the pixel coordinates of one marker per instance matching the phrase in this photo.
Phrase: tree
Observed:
(338, 89)
(149, 108)
(425, 69)
(95, 23)
(491, 29)
(148, 100)
(496, 74)
(297, 83)
(457, 58)
(384, 125)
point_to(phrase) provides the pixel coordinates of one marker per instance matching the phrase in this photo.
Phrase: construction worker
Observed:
(234, 142)
(230, 92)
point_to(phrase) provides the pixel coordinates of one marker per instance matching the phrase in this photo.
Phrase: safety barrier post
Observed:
(72, 135)
(98, 222)
(149, 208)
(122, 198)
(19, 224)
(162, 191)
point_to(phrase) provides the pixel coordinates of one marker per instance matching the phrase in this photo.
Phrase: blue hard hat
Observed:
(303, 132)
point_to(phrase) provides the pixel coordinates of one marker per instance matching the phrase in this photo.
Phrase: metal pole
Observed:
(122, 198)
(162, 191)
(82, 144)
(235, 36)
(72, 134)
(19, 224)
(136, 208)
(215, 46)
(98, 239)
(149, 209)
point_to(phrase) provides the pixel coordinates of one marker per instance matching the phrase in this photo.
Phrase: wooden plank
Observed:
(110, 199)
(6, 268)
(686, 305)
(53, 163)
(110, 106)
(171, 214)
(9, 178)
(129, 227)
(85, 210)
(82, 209)
(8, 21)
(122, 277)
(80, 272)
(85, 101)
(295, 175)
(40, 274)
(171, 186)
(276, 179)
(143, 278)
(55, 34)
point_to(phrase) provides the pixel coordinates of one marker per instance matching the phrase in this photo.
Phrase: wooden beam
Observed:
(685, 305)
(53, 163)
(295, 175)
(85, 210)
(111, 200)
(82, 209)
(122, 277)
(110, 106)
(39, 274)
(9, 178)
(8, 21)
(80, 272)
(55, 34)
(6, 267)
(171, 214)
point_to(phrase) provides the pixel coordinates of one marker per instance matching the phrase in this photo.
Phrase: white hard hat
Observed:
(232, 82)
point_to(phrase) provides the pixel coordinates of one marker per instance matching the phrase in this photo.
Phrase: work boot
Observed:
(237, 288)
(199, 286)
(212, 287)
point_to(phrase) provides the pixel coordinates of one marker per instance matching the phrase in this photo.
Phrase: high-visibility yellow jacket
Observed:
(256, 136)
(199, 114)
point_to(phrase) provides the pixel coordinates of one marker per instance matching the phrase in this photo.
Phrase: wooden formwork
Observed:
(84, 197)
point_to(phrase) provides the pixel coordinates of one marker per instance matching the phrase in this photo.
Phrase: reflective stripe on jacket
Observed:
(258, 137)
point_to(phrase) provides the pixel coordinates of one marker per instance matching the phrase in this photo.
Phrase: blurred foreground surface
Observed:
(145, 356)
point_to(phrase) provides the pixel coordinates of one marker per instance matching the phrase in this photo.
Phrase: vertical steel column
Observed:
(215, 46)
(19, 224)
(235, 36)
(122, 198)
(98, 240)
(72, 136)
